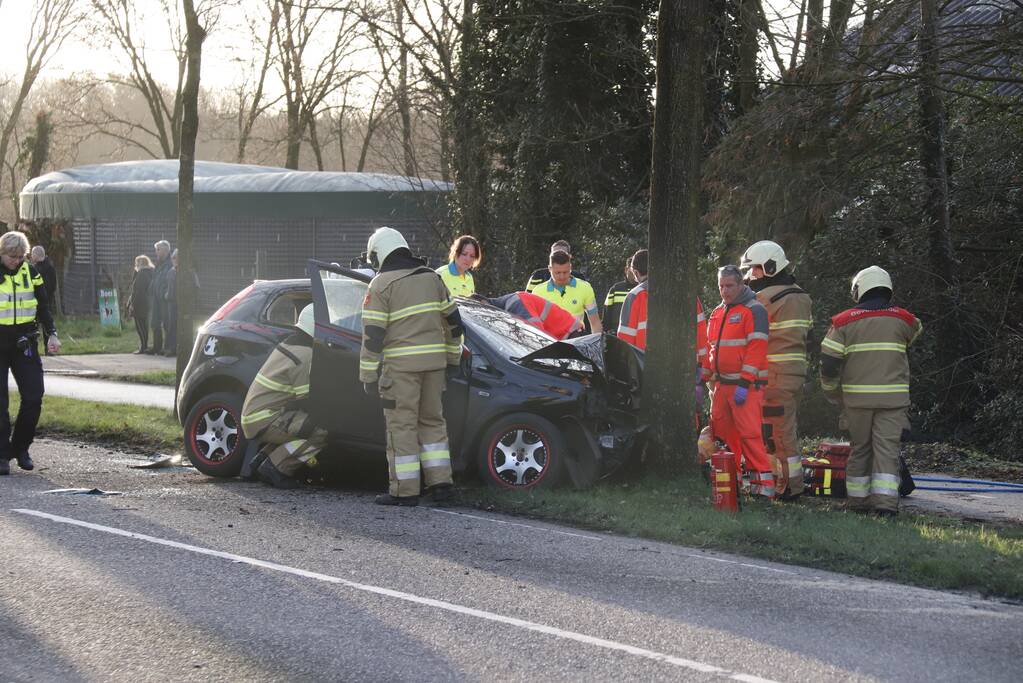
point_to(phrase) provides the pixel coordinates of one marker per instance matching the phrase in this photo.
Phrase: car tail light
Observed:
(229, 305)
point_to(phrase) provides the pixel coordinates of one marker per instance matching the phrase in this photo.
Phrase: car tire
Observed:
(522, 451)
(214, 441)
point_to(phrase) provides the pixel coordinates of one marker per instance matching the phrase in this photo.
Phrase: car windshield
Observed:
(503, 332)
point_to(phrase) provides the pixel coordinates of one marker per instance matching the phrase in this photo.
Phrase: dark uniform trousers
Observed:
(27, 369)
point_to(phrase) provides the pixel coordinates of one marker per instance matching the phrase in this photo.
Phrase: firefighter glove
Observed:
(371, 388)
(740, 395)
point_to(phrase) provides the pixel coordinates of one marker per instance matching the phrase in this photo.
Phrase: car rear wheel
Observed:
(522, 451)
(213, 435)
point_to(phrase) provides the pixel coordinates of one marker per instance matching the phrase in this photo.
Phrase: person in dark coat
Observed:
(171, 348)
(45, 268)
(158, 318)
(138, 299)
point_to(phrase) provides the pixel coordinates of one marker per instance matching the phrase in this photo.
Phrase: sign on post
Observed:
(109, 310)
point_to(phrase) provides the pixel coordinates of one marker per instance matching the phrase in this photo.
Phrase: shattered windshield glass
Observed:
(512, 337)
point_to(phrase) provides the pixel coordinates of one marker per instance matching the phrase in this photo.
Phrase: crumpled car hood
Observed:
(612, 357)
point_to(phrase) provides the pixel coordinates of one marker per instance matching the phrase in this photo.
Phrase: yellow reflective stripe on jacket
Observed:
(299, 390)
(785, 357)
(258, 416)
(875, 388)
(835, 346)
(368, 314)
(875, 346)
(369, 365)
(788, 324)
(18, 301)
(428, 307)
(415, 350)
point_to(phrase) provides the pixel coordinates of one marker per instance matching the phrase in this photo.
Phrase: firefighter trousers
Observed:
(292, 442)
(741, 428)
(872, 474)
(417, 436)
(781, 401)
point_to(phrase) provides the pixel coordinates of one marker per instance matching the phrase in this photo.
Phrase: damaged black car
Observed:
(523, 410)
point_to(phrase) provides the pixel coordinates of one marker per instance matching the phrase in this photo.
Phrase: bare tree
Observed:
(185, 281)
(52, 23)
(251, 107)
(308, 78)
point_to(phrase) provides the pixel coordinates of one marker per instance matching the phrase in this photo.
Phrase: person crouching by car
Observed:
(23, 309)
(274, 412)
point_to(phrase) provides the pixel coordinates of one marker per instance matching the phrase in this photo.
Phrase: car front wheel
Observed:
(213, 435)
(522, 451)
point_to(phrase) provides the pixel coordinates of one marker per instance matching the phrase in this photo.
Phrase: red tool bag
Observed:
(824, 471)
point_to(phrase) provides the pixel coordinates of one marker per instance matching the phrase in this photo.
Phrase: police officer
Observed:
(274, 413)
(23, 309)
(540, 275)
(411, 331)
(865, 369)
(790, 319)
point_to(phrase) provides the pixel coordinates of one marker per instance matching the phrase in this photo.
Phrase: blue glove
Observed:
(698, 394)
(740, 395)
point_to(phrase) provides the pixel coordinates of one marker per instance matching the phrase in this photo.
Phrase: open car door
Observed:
(337, 400)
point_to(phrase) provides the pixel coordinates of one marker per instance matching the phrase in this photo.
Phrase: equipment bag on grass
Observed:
(824, 471)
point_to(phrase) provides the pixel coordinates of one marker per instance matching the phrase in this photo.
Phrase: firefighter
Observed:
(23, 310)
(790, 319)
(736, 364)
(573, 294)
(274, 413)
(411, 331)
(865, 370)
(541, 275)
(464, 257)
(616, 297)
(539, 312)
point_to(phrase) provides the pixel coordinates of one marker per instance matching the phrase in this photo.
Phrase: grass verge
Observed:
(922, 550)
(127, 426)
(165, 378)
(84, 334)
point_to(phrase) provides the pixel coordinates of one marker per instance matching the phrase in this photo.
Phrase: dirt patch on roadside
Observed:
(960, 462)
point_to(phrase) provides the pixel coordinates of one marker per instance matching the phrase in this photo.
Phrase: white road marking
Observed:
(599, 538)
(680, 662)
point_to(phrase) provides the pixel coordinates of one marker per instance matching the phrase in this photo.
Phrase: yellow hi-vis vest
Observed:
(18, 296)
(458, 285)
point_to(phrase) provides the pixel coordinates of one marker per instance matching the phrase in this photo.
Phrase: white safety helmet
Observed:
(869, 278)
(381, 243)
(306, 320)
(766, 254)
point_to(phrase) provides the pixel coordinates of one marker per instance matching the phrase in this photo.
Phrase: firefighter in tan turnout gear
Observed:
(274, 413)
(788, 311)
(864, 368)
(411, 331)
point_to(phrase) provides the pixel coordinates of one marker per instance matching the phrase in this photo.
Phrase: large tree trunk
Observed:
(186, 293)
(675, 231)
(943, 265)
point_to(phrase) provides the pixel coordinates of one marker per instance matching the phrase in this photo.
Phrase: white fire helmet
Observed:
(766, 254)
(306, 321)
(869, 278)
(381, 243)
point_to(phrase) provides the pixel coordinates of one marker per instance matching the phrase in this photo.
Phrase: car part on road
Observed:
(969, 485)
(213, 436)
(523, 451)
(84, 492)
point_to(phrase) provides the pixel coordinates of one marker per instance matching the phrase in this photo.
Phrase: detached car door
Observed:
(337, 400)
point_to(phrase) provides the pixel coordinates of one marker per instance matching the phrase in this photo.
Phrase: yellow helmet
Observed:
(869, 278)
(306, 320)
(381, 243)
(766, 254)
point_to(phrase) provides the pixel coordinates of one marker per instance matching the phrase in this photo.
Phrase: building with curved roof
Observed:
(250, 222)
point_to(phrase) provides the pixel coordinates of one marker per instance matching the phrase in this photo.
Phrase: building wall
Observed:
(230, 252)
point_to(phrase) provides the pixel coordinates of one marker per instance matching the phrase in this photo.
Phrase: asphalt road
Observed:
(188, 578)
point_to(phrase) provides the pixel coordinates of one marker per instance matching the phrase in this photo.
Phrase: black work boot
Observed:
(404, 501)
(5, 466)
(441, 493)
(24, 461)
(273, 476)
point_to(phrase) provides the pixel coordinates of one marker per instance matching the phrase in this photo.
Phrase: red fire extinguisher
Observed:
(724, 481)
